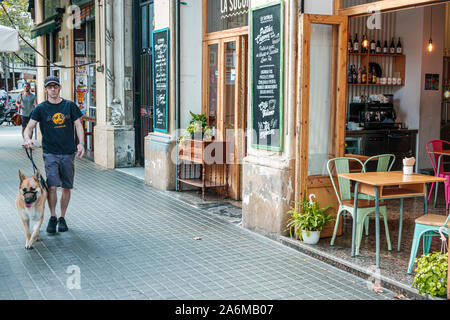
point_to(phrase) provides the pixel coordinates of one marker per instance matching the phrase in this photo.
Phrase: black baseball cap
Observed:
(51, 79)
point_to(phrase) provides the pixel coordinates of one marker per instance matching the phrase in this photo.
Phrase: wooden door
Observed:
(322, 106)
(225, 99)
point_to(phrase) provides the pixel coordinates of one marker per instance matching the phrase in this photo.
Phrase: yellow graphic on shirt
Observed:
(58, 118)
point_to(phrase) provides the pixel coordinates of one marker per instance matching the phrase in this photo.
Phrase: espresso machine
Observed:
(374, 114)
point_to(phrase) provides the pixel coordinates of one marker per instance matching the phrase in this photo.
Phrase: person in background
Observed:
(3, 96)
(26, 104)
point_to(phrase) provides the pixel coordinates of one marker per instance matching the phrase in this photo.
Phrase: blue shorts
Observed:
(59, 169)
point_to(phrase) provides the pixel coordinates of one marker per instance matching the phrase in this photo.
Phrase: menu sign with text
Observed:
(267, 76)
(160, 79)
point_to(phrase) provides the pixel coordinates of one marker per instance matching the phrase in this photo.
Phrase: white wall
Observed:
(319, 6)
(418, 108)
(190, 60)
(430, 100)
(407, 99)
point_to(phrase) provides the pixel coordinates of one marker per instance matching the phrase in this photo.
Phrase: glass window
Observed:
(319, 98)
(50, 7)
(227, 14)
(213, 80)
(147, 24)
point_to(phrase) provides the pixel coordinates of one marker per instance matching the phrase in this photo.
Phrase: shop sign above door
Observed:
(227, 14)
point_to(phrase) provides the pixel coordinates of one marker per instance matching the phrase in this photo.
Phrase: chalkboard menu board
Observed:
(266, 48)
(160, 80)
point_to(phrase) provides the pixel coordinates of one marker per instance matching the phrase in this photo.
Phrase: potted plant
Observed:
(308, 223)
(431, 274)
(197, 128)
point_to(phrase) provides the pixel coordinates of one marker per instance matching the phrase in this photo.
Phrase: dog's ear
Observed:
(21, 176)
(36, 175)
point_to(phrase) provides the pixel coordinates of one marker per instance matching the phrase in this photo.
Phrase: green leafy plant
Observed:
(197, 128)
(310, 218)
(431, 274)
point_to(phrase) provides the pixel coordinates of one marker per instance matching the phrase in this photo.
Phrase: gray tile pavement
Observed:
(130, 241)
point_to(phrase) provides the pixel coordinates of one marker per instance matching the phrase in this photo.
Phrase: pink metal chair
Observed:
(437, 145)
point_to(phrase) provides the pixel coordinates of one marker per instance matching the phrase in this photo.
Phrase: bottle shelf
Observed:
(375, 84)
(376, 54)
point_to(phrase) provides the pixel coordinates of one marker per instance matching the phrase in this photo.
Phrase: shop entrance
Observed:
(143, 98)
(225, 99)
(321, 113)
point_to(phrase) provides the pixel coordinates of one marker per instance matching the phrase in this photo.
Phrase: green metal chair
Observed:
(385, 163)
(427, 226)
(365, 206)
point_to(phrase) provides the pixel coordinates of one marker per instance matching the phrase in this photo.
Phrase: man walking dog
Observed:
(57, 118)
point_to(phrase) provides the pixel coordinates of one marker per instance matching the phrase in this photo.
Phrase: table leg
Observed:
(425, 202)
(437, 183)
(355, 215)
(377, 226)
(400, 224)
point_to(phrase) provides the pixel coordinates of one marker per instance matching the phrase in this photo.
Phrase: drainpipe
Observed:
(109, 44)
(177, 81)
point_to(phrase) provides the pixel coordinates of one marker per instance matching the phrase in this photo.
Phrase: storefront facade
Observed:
(89, 46)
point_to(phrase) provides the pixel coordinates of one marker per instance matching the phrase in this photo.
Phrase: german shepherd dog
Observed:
(30, 203)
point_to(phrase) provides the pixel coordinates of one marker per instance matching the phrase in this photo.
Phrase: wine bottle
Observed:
(364, 75)
(399, 47)
(350, 44)
(354, 75)
(356, 44)
(373, 46)
(385, 47)
(369, 78)
(392, 46)
(378, 47)
(350, 75)
(374, 76)
(359, 75)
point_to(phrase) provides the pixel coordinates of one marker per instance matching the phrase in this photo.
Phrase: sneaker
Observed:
(51, 227)
(62, 226)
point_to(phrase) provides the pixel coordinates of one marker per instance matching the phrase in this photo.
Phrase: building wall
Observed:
(160, 168)
(191, 59)
(114, 132)
(67, 55)
(41, 73)
(268, 176)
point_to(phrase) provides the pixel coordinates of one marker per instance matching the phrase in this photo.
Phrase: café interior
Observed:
(398, 95)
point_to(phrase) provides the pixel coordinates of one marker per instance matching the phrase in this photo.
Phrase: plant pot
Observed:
(313, 238)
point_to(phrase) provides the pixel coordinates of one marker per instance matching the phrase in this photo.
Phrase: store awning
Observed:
(43, 28)
(9, 39)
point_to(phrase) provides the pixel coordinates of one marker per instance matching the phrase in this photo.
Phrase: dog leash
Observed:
(30, 156)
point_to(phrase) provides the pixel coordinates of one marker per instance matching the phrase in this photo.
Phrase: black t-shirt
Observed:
(57, 125)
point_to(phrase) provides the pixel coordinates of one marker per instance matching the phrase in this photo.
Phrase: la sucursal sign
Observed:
(230, 8)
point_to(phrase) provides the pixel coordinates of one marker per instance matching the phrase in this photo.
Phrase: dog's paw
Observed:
(28, 246)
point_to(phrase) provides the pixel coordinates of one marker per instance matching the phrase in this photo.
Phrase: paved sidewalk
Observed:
(130, 241)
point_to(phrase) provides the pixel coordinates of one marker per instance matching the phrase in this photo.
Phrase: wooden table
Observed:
(440, 153)
(388, 185)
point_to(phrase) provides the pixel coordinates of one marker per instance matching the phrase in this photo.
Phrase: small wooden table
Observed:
(440, 153)
(388, 185)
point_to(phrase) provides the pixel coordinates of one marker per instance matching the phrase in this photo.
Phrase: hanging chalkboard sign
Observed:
(266, 51)
(161, 80)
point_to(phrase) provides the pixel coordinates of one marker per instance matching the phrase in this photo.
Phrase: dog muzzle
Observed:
(30, 199)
